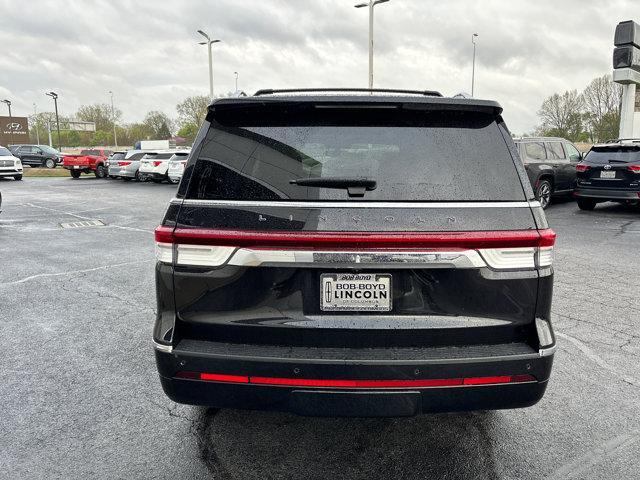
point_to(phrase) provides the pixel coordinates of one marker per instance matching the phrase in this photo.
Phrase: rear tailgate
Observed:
(611, 167)
(444, 251)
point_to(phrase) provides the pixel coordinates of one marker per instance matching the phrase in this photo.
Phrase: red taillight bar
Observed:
(356, 384)
(634, 168)
(582, 167)
(265, 239)
(123, 164)
(156, 163)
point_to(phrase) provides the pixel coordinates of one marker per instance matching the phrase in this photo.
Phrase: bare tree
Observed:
(562, 115)
(192, 110)
(602, 107)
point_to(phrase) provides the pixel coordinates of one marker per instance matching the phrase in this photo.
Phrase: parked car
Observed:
(155, 166)
(113, 159)
(37, 155)
(126, 167)
(550, 164)
(88, 161)
(176, 166)
(10, 166)
(609, 172)
(357, 255)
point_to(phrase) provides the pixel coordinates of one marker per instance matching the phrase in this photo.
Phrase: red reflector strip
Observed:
(634, 168)
(265, 239)
(123, 164)
(355, 384)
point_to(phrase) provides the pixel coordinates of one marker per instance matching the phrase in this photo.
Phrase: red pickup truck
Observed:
(86, 162)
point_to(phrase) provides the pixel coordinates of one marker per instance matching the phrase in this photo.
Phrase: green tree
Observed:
(158, 124)
(188, 131)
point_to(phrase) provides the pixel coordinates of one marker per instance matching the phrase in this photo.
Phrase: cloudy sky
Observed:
(146, 51)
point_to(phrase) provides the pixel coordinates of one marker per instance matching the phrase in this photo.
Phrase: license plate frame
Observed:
(379, 298)
(608, 174)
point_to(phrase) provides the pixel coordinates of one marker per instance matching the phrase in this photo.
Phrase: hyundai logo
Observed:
(14, 127)
(607, 167)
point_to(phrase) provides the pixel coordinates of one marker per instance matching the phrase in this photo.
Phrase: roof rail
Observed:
(270, 91)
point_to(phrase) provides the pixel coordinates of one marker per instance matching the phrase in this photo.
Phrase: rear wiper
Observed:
(355, 186)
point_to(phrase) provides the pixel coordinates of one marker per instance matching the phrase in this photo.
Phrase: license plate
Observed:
(607, 174)
(355, 292)
(76, 166)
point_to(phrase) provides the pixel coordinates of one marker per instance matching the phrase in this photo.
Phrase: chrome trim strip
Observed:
(546, 352)
(162, 348)
(357, 260)
(328, 204)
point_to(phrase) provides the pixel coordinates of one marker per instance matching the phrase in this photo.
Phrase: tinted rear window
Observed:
(412, 155)
(117, 156)
(604, 155)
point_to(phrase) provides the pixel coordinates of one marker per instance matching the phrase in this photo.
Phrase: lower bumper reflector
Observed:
(356, 384)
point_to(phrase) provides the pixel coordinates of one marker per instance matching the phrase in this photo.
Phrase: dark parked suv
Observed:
(550, 164)
(354, 254)
(37, 155)
(609, 172)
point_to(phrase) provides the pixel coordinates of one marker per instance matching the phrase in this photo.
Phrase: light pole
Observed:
(473, 67)
(35, 122)
(209, 42)
(54, 95)
(236, 74)
(113, 117)
(10, 120)
(370, 4)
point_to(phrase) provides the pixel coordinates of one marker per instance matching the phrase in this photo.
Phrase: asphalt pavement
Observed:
(80, 397)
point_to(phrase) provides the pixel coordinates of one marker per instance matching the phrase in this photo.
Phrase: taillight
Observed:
(582, 167)
(156, 163)
(499, 250)
(634, 168)
(123, 164)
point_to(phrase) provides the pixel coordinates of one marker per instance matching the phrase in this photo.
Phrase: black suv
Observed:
(609, 172)
(550, 164)
(37, 155)
(354, 255)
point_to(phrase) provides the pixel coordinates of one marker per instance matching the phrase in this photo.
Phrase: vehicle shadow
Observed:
(259, 445)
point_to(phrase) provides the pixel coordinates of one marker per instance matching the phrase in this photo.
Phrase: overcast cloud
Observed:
(146, 51)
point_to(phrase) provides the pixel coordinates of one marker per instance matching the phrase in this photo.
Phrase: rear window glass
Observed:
(136, 156)
(604, 155)
(117, 156)
(414, 155)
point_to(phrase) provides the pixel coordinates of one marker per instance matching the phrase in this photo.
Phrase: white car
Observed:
(176, 166)
(10, 166)
(155, 165)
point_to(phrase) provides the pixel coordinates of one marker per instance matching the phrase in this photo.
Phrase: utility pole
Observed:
(236, 74)
(370, 5)
(473, 68)
(54, 95)
(10, 120)
(209, 42)
(35, 122)
(113, 117)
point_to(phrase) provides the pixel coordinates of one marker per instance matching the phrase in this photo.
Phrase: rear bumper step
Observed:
(354, 382)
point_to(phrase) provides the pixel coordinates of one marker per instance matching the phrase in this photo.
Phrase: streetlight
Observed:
(35, 122)
(370, 4)
(54, 95)
(113, 116)
(10, 120)
(236, 74)
(473, 68)
(209, 42)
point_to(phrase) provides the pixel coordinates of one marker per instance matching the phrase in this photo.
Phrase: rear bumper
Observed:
(153, 175)
(389, 401)
(606, 194)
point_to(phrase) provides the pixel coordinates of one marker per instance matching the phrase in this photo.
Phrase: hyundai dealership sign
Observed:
(13, 130)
